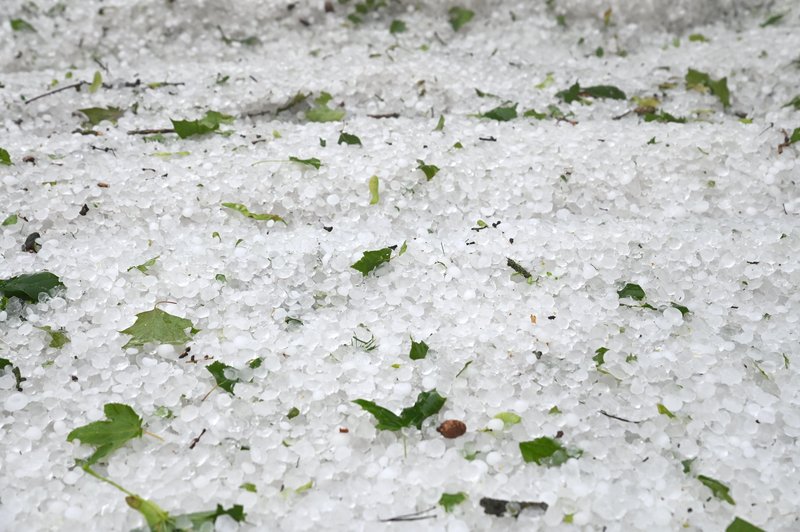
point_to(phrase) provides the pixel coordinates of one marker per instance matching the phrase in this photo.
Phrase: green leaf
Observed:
(502, 114)
(571, 94)
(795, 136)
(403, 248)
(159, 327)
(29, 287)
(554, 411)
(58, 339)
(387, 420)
(533, 113)
(547, 452)
(662, 116)
(347, 138)
(323, 113)
(97, 82)
(429, 170)
(5, 158)
(720, 490)
(548, 80)
(428, 404)
(308, 162)
(11, 220)
(459, 16)
(419, 350)
(374, 197)
(17, 24)
(221, 278)
(255, 363)
(249, 486)
(701, 81)
(208, 124)
(633, 291)
(146, 265)
(123, 424)
(603, 91)
(4, 363)
(293, 413)
(482, 94)
(440, 123)
(684, 310)
(95, 115)
(225, 375)
(305, 487)
(774, 19)
(698, 37)
(740, 525)
(448, 501)
(397, 26)
(371, 260)
(687, 465)
(663, 410)
(795, 102)
(163, 412)
(508, 418)
(238, 207)
(599, 354)
(198, 519)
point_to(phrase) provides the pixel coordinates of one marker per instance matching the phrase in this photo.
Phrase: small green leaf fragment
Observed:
(633, 291)
(123, 424)
(419, 350)
(652, 141)
(604, 91)
(5, 158)
(225, 375)
(397, 26)
(10, 220)
(459, 16)
(97, 82)
(293, 413)
(374, 196)
(387, 420)
(255, 363)
(458, 145)
(684, 310)
(238, 207)
(508, 418)
(313, 161)
(533, 113)
(448, 501)
(371, 260)
(5, 363)
(305, 487)
(773, 19)
(429, 170)
(701, 81)
(598, 358)
(547, 452)
(347, 138)
(29, 287)
(18, 24)
(554, 411)
(207, 124)
(163, 412)
(663, 410)
(740, 525)
(58, 338)
(221, 278)
(720, 490)
(687, 465)
(292, 321)
(145, 265)
(440, 123)
(698, 37)
(501, 113)
(201, 520)
(323, 113)
(548, 80)
(794, 102)
(403, 248)
(155, 516)
(157, 326)
(663, 116)
(249, 486)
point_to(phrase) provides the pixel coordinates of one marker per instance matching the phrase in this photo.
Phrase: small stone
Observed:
(452, 428)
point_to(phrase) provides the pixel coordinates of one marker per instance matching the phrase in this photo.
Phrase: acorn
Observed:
(452, 428)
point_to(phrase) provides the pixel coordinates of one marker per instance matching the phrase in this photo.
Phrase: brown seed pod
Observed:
(452, 428)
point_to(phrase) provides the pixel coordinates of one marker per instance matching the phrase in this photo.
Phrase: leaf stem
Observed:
(77, 85)
(156, 436)
(109, 481)
(165, 302)
(209, 392)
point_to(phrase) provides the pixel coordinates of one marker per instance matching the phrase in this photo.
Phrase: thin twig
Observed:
(76, 86)
(209, 391)
(623, 115)
(612, 416)
(150, 131)
(385, 115)
(196, 440)
(514, 265)
(416, 516)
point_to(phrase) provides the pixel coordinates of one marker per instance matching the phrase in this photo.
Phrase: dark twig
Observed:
(386, 115)
(75, 86)
(150, 131)
(499, 507)
(196, 440)
(612, 416)
(514, 265)
(416, 516)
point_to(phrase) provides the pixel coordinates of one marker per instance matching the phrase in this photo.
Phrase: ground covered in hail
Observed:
(389, 265)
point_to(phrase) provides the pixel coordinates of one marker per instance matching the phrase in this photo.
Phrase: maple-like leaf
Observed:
(159, 327)
(107, 436)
